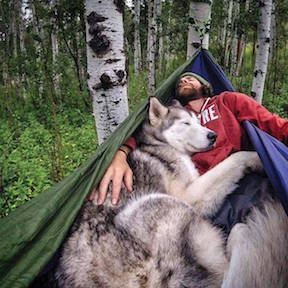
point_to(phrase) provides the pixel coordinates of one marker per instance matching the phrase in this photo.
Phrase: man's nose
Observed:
(183, 80)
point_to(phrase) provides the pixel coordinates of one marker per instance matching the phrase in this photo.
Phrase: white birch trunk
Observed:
(107, 78)
(22, 47)
(37, 29)
(167, 38)
(152, 30)
(223, 32)
(80, 71)
(160, 32)
(55, 50)
(228, 35)
(137, 42)
(15, 54)
(200, 18)
(242, 46)
(234, 50)
(263, 40)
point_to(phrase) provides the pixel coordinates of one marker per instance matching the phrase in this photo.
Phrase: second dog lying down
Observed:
(161, 237)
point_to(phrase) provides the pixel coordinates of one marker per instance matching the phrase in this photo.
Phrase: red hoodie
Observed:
(224, 114)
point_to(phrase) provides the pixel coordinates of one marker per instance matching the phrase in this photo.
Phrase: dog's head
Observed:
(180, 128)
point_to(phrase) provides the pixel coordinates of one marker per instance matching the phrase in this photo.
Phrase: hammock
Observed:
(32, 233)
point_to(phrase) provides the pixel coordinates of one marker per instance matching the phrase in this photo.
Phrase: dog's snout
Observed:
(212, 136)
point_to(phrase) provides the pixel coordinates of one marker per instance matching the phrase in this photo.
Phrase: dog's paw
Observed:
(248, 160)
(254, 162)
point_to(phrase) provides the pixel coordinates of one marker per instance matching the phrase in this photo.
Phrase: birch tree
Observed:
(55, 46)
(37, 30)
(151, 46)
(21, 28)
(234, 48)
(199, 26)
(167, 36)
(15, 52)
(263, 44)
(137, 42)
(228, 35)
(224, 29)
(160, 32)
(107, 78)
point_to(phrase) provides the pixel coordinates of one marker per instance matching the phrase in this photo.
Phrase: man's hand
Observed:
(118, 170)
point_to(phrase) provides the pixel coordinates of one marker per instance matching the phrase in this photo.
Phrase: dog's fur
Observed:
(160, 235)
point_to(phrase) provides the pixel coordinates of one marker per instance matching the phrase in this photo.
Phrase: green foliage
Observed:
(26, 162)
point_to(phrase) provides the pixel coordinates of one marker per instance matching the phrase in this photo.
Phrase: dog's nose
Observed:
(212, 136)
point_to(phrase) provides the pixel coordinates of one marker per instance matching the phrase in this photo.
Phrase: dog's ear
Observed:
(156, 111)
(176, 103)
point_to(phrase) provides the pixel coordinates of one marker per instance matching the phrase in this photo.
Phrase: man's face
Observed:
(189, 89)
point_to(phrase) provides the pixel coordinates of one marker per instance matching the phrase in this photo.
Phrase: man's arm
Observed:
(119, 171)
(246, 108)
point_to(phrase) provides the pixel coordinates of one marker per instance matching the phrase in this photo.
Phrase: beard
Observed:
(185, 98)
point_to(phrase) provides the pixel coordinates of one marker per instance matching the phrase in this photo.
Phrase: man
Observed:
(223, 114)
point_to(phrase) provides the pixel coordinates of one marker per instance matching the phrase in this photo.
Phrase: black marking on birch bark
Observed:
(120, 4)
(88, 76)
(267, 40)
(94, 17)
(253, 94)
(95, 29)
(117, 101)
(261, 4)
(120, 74)
(256, 72)
(109, 61)
(99, 44)
(114, 123)
(106, 81)
(196, 44)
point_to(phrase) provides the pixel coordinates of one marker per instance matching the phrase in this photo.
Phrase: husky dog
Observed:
(160, 235)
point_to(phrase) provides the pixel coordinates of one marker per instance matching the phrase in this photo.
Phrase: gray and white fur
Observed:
(160, 235)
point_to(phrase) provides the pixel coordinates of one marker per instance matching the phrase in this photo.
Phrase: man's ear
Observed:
(157, 111)
(176, 103)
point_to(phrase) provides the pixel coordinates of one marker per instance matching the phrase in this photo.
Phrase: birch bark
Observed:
(223, 32)
(263, 40)
(107, 78)
(152, 30)
(234, 50)
(199, 18)
(160, 33)
(37, 29)
(55, 48)
(22, 48)
(228, 35)
(167, 37)
(137, 42)
(15, 53)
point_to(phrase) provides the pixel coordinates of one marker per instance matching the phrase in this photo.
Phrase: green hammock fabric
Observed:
(32, 233)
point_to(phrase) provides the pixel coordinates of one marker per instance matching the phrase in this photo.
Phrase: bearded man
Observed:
(223, 114)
